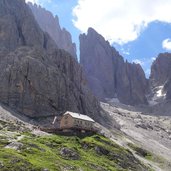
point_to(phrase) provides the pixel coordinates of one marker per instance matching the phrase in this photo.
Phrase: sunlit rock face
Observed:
(108, 74)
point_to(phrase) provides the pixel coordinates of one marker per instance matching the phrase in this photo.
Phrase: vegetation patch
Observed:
(140, 151)
(160, 161)
(57, 152)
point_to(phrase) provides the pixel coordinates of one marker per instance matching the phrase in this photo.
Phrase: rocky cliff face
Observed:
(36, 78)
(108, 75)
(18, 27)
(50, 24)
(160, 78)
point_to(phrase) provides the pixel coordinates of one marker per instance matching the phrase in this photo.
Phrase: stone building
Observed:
(78, 121)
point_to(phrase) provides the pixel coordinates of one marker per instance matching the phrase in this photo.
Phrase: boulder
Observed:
(14, 145)
(69, 154)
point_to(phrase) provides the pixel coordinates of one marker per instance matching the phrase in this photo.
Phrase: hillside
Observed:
(143, 130)
(136, 147)
(23, 147)
(41, 79)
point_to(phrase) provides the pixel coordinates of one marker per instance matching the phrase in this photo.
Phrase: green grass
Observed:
(140, 151)
(148, 155)
(94, 153)
(38, 153)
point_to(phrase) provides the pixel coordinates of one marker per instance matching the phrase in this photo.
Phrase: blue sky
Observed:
(148, 45)
(138, 30)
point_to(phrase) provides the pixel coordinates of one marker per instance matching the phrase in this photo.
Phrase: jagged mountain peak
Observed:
(36, 78)
(93, 34)
(50, 24)
(160, 77)
(15, 28)
(160, 69)
(108, 75)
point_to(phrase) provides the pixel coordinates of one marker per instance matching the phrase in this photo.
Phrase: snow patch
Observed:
(159, 94)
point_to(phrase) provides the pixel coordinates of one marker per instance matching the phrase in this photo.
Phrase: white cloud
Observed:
(39, 2)
(120, 21)
(33, 1)
(153, 58)
(166, 44)
(125, 51)
(138, 61)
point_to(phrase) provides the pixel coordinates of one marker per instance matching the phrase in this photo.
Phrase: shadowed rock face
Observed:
(36, 78)
(108, 75)
(38, 83)
(98, 68)
(161, 73)
(18, 27)
(50, 24)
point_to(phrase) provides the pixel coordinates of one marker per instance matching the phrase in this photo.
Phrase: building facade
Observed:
(72, 120)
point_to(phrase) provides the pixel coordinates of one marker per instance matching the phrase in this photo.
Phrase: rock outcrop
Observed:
(108, 75)
(18, 27)
(50, 24)
(36, 78)
(160, 77)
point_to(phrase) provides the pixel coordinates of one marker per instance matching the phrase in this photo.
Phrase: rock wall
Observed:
(36, 78)
(108, 74)
(161, 73)
(50, 24)
(18, 27)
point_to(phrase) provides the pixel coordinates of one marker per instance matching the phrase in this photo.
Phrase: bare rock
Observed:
(69, 154)
(14, 145)
(160, 70)
(36, 78)
(160, 77)
(1, 164)
(50, 24)
(101, 150)
(108, 75)
(45, 169)
(15, 27)
(35, 86)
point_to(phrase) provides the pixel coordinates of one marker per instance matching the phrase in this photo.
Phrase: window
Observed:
(76, 122)
(66, 117)
(66, 122)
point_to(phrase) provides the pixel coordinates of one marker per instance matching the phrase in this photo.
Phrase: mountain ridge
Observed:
(50, 24)
(37, 79)
(109, 76)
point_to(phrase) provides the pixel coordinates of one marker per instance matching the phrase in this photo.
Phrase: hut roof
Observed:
(79, 116)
